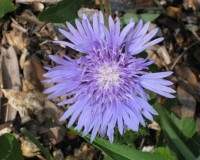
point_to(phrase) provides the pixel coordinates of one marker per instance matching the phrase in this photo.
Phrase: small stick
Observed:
(181, 55)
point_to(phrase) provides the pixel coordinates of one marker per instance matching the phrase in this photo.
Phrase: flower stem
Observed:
(106, 10)
(107, 7)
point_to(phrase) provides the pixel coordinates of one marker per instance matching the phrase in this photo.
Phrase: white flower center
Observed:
(108, 75)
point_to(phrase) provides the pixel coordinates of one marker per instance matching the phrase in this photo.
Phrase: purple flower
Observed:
(108, 84)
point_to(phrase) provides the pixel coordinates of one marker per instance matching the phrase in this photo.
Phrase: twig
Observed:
(181, 55)
(31, 19)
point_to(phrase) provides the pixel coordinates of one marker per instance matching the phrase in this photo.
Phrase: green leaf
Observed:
(165, 152)
(37, 143)
(120, 152)
(167, 125)
(127, 16)
(10, 148)
(66, 10)
(6, 6)
(145, 17)
(186, 126)
(149, 17)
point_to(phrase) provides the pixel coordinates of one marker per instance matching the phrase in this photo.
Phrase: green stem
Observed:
(107, 7)
(106, 10)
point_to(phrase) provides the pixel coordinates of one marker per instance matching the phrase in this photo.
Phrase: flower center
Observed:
(108, 75)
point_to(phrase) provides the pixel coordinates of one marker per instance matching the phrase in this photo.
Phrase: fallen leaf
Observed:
(30, 74)
(55, 134)
(58, 155)
(188, 103)
(29, 149)
(174, 12)
(186, 73)
(15, 38)
(39, 69)
(25, 102)
(10, 79)
(164, 55)
(5, 128)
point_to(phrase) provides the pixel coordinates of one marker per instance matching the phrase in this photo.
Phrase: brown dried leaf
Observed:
(164, 55)
(58, 155)
(39, 69)
(71, 157)
(29, 149)
(174, 12)
(30, 74)
(191, 4)
(188, 103)
(193, 28)
(55, 134)
(87, 152)
(44, 115)
(186, 73)
(154, 56)
(23, 58)
(180, 39)
(194, 90)
(11, 78)
(24, 102)
(15, 38)
(10, 69)
(17, 26)
(5, 128)
(57, 110)
(28, 16)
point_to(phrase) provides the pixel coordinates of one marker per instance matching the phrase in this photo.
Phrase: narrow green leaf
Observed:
(66, 10)
(6, 6)
(37, 143)
(176, 120)
(194, 144)
(120, 152)
(10, 148)
(166, 125)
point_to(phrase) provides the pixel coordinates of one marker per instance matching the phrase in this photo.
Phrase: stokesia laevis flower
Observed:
(108, 84)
